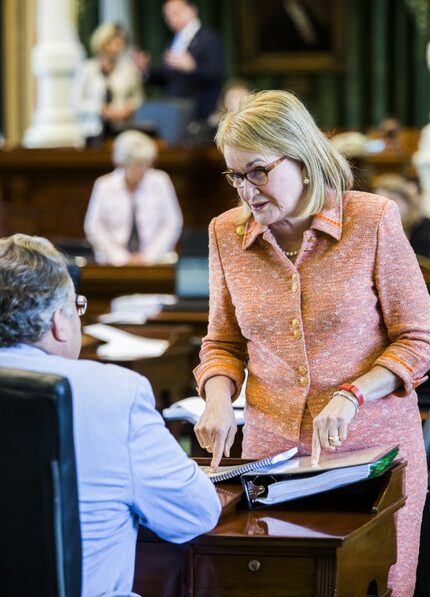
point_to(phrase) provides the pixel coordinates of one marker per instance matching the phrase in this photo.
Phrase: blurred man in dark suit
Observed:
(193, 63)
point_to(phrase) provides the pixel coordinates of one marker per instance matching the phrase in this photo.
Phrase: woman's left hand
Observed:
(330, 427)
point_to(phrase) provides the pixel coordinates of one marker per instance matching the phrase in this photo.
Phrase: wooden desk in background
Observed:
(334, 544)
(101, 283)
(46, 191)
(197, 320)
(170, 374)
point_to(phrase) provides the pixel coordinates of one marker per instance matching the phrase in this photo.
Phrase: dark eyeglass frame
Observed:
(81, 303)
(240, 178)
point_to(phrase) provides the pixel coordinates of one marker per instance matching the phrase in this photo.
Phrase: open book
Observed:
(299, 478)
(229, 472)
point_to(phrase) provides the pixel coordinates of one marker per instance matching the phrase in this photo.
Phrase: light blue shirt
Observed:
(130, 468)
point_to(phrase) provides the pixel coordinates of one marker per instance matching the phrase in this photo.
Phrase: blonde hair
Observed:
(101, 36)
(133, 146)
(278, 122)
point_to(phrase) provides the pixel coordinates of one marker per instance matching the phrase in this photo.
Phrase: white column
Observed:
(55, 58)
(116, 11)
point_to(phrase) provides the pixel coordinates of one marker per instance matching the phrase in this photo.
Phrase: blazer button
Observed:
(295, 323)
(302, 370)
(303, 381)
(240, 230)
(297, 334)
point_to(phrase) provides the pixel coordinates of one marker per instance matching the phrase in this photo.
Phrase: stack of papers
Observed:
(191, 409)
(122, 346)
(136, 308)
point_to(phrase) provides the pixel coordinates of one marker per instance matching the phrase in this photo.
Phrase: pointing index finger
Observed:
(217, 452)
(316, 447)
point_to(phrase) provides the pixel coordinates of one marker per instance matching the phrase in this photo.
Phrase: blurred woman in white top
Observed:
(108, 87)
(133, 216)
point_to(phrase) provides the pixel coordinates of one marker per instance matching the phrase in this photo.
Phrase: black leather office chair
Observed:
(40, 539)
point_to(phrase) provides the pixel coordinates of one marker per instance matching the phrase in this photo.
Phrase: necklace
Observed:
(291, 253)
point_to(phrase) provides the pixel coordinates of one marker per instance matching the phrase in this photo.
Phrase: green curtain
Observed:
(385, 71)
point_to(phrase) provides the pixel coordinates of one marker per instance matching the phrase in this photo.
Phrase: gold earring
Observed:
(305, 180)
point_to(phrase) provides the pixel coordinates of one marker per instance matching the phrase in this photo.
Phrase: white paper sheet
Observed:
(122, 346)
(136, 308)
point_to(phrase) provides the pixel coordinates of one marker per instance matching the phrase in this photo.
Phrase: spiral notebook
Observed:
(229, 472)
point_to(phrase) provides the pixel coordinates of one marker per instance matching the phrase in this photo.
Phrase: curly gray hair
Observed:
(34, 282)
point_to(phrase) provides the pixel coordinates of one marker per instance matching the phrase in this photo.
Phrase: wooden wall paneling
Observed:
(46, 191)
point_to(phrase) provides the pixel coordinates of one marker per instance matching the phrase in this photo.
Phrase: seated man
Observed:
(130, 469)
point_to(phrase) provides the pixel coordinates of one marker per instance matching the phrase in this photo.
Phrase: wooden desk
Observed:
(313, 549)
(46, 191)
(197, 320)
(171, 373)
(101, 283)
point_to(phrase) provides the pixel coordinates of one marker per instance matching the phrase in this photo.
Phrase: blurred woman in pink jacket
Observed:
(133, 216)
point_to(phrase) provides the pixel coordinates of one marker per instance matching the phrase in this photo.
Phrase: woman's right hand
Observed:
(217, 427)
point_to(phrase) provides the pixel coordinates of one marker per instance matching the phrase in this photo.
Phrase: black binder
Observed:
(298, 479)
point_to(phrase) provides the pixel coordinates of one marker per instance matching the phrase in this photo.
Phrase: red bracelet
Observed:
(349, 387)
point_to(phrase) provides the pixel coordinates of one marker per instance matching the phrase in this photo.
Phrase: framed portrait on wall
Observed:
(280, 36)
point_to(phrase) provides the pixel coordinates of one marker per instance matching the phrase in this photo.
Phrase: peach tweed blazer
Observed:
(354, 298)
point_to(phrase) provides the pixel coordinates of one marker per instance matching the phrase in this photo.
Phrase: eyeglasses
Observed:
(81, 304)
(258, 176)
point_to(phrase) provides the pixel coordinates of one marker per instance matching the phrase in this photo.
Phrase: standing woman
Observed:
(108, 87)
(317, 292)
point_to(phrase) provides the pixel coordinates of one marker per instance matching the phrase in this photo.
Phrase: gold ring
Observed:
(206, 447)
(333, 438)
